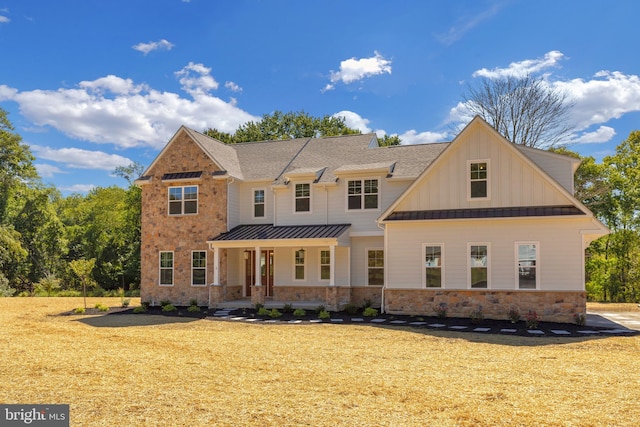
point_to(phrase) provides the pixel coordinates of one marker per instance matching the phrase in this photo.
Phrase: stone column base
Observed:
(216, 295)
(257, 295)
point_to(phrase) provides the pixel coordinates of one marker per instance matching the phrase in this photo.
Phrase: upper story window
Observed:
(362, 194)
(258, 203)
(183, 200)
(478, 180)
(303, 197)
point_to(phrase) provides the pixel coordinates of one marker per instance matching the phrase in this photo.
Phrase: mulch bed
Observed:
(485, 326)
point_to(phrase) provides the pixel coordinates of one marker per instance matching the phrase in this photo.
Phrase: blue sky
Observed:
(91, 85)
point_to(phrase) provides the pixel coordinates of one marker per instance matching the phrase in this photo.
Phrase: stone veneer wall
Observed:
(333, 297)
(184, 233)
(550, 306)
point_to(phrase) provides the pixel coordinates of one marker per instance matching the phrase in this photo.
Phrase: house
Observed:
(477, 224)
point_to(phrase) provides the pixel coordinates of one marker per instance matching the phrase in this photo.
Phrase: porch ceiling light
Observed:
(246, 254)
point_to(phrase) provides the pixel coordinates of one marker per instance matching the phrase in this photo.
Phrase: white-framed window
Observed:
(478, 180)
(527, 265)
(299, 265)
(375, 267)
(362, 194)
(302, 202)
(166, 268)
(199, 268)
(433, 263)
(325, 265)
(258, 203)
(478, 265)
(183, 200)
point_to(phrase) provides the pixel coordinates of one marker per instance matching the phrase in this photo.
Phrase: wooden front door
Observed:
(266, 271)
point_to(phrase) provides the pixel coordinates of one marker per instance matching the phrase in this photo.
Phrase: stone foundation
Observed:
(550, 306)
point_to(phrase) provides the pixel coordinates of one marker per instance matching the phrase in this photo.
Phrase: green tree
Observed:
(83, 269)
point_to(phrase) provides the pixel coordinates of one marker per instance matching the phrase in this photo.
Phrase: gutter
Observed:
(384, 282)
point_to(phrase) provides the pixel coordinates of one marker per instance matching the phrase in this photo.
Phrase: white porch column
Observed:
(258, 271)
(332, 265)
(216, 266)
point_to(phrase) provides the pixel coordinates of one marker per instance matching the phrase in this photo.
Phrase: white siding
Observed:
(359, 247)
(233, 205)
(561, 256)
(244, 199)
(558, 167)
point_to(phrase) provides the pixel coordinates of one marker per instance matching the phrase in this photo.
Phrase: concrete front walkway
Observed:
(627, 319)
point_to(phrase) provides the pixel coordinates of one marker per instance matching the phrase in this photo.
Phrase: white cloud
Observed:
(354, 121)
(4, 20)
(151, 46)
(522, 68)
(602, 134)
(81, 159)
(115, 110)
(232, 87)
(78, 188)
(47, 171)
(412, 137)
(466, 24)
(353, 70)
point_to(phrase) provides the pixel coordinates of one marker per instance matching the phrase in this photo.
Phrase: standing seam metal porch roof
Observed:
(271, 232)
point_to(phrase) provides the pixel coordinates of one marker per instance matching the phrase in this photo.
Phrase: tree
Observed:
(83, 268)
(525, 110)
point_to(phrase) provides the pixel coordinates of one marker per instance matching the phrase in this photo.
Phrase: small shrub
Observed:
(193, 309)
(351, 308)
(580, 319)
(103, 308)
(79, 310)
(165, 302)
(441, 310)
(168, 308)
(299, 312)
(514, 315)
(259, 306)
(274, 313)
(98, 305)
(324, 314)
(140, 309)
(193, 302)
(370, 312)
(145, 304)
(288, 308)
(263, 311)
(320, 308)
(477, 316)
(532, 319)
(126, 302)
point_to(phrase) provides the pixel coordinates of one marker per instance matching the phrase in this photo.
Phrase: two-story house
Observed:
(477, 224)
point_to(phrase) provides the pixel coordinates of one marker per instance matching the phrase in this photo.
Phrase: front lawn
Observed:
(162, 370)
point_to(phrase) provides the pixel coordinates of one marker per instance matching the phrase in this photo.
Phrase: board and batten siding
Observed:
(513, 181)
(560, 256)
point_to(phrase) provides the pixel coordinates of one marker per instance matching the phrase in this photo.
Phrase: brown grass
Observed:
(611, 307)
(153, 370)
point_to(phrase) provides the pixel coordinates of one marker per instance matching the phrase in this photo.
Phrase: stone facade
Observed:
(550, 306)
(181, 234)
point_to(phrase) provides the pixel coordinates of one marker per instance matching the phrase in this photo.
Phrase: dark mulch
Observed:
(484, 326)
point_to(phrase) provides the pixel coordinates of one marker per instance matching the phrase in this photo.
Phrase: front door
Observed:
(266, 271)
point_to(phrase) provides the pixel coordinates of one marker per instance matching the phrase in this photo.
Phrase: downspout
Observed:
(384, 282)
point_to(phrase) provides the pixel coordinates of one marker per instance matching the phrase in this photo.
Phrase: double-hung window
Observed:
(183, 200)
(362, 194)
(166, 268)
(303, 197)
(199, 268)
(479, 265)
(375, 267)
(527, 265)
(433, 266)
(258, 203)
(325, 265)
(478, 180)
(299, 265)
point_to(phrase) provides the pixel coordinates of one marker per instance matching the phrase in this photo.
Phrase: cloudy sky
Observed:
(94, 85)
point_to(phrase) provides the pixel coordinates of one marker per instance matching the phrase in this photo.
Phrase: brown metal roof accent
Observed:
(181, 175)
(508, 212)
(270, 232)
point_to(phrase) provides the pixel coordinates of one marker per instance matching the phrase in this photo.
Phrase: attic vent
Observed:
(181, 175)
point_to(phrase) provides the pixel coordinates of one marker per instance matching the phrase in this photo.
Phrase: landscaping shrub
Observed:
(263, 311)
(370, 312)
(140, 309)
(79, 310)
(275, 313)
(324, 314)
(193, 309)
(299, 312)
(169, 307)
(514, 315)
(351, 308)
(288, 308)
(532, 320)
(477, 316)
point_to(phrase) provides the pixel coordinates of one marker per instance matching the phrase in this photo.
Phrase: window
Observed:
(198, 268)
(325, 265)
(166, 268)
(479, 265)
(303, 197)
(258, 203)
(362, 194)
(299, 264)
(183, 200)
(527, 254)
(375, 267)
(433, 266)
(478, 188)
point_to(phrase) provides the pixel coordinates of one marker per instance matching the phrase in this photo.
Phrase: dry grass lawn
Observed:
(125, 370)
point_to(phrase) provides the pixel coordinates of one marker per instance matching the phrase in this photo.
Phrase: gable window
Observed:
(183, 200)
(478, 180)
(198, 268)
(479, 265)
(527, 254)
(303, 197)
(166, 268)
(433, 266)
(299, 264)
(362, 194)
(258, 203)
(375, 267)
(325, 265)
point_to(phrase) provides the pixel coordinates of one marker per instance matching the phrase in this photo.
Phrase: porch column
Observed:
(332, 265)
(216, 266)
(258, 291)
(258, 270)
